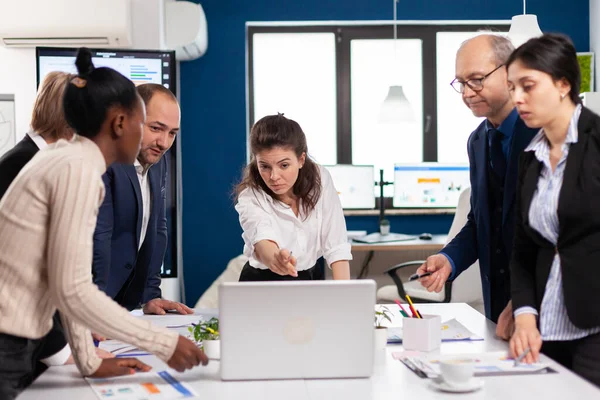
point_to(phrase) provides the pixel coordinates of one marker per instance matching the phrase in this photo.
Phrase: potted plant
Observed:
(206, 334)
(381, 333)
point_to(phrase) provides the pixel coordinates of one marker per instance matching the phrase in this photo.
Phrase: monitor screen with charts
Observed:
(354, 184)
(141, 66)
(429, 185)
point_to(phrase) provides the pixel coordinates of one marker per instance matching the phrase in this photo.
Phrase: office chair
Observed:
(464, 289)
(210, 298)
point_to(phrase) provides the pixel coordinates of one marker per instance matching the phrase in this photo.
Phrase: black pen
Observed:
(414, 277)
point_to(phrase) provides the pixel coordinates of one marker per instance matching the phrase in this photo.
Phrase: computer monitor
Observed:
(429, 185)
(141, 66)
(354, 184)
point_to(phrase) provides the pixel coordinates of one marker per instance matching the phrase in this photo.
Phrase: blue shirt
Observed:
(507, 127)
(543, 217)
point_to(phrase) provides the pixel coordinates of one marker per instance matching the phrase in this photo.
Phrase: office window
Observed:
(455, 120)
(333, 80)
(294, 73)
(375, 65)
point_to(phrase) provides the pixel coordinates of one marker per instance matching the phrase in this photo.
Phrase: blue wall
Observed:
(214, 109)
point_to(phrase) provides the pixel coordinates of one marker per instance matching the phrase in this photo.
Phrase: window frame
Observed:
(344, 34)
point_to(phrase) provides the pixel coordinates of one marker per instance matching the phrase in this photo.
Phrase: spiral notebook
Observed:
(486, 364)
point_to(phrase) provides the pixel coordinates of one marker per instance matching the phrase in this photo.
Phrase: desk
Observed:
(390, 381)
(436, 243)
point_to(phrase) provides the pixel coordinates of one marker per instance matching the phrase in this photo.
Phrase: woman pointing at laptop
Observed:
(289, 210)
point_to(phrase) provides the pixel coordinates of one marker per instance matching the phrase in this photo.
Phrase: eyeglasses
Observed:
(475, 85)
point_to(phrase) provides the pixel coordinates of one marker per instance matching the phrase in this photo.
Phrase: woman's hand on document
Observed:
(99, 352)
(186, 356)
(526, 336)
(120, 366)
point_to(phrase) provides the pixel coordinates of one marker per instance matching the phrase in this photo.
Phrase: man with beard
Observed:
(131, 233)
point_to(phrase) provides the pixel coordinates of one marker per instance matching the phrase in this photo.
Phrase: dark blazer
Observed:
(13, 161)
(474, 240)
(129, 276)
(578, 242)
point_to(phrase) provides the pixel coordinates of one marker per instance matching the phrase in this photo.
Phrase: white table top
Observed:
(391, 380)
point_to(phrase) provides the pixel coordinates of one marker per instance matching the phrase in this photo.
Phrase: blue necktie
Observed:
(497, 159)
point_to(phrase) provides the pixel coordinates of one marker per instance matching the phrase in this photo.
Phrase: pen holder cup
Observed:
(422, 334)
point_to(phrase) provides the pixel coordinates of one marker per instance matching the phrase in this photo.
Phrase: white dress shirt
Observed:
(321, 233)
(142, 174)
(39, 141)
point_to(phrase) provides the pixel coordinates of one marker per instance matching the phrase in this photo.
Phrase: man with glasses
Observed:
(494, 149)
(131, 232)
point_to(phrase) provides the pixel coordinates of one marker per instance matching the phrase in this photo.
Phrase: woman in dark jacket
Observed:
(555, 267)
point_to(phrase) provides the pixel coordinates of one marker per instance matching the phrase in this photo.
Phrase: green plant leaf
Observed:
(206, 330)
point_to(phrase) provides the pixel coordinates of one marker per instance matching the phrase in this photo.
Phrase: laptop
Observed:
(297, 330)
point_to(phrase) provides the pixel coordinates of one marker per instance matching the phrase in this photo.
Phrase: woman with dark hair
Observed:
(48, 125)
(289, 209)
(47, 221)
(554, 268)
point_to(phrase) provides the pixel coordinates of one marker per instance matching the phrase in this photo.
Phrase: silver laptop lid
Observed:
(304, 329)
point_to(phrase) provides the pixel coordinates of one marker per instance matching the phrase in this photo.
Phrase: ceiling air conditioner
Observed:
(186, 29)
(72, 23)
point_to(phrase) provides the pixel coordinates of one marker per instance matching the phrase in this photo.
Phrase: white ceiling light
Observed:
(523, 27)
(395, 107)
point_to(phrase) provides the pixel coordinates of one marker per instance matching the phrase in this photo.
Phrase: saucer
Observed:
(471, 386)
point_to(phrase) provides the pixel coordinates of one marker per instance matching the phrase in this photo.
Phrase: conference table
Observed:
(391, 379)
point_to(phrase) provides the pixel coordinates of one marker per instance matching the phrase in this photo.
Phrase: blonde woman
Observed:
(47, 126)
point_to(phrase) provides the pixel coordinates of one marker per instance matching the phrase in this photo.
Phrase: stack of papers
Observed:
(149, 385)
(452, 331)
(120, 349)
(173, 322)
(486, 364)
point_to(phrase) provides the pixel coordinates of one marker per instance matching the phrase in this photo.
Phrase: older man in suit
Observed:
(494, 149)
(131, 233)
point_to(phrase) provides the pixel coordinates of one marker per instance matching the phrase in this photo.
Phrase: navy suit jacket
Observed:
(13, 161)
(474, 240)
(117, 235)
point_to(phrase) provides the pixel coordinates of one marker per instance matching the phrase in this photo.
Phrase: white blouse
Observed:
(322, 233)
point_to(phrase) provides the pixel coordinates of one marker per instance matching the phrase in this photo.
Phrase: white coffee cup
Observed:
(457, 372)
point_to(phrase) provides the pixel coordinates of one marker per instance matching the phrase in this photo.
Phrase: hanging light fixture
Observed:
(395, 107)
(523, 27)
